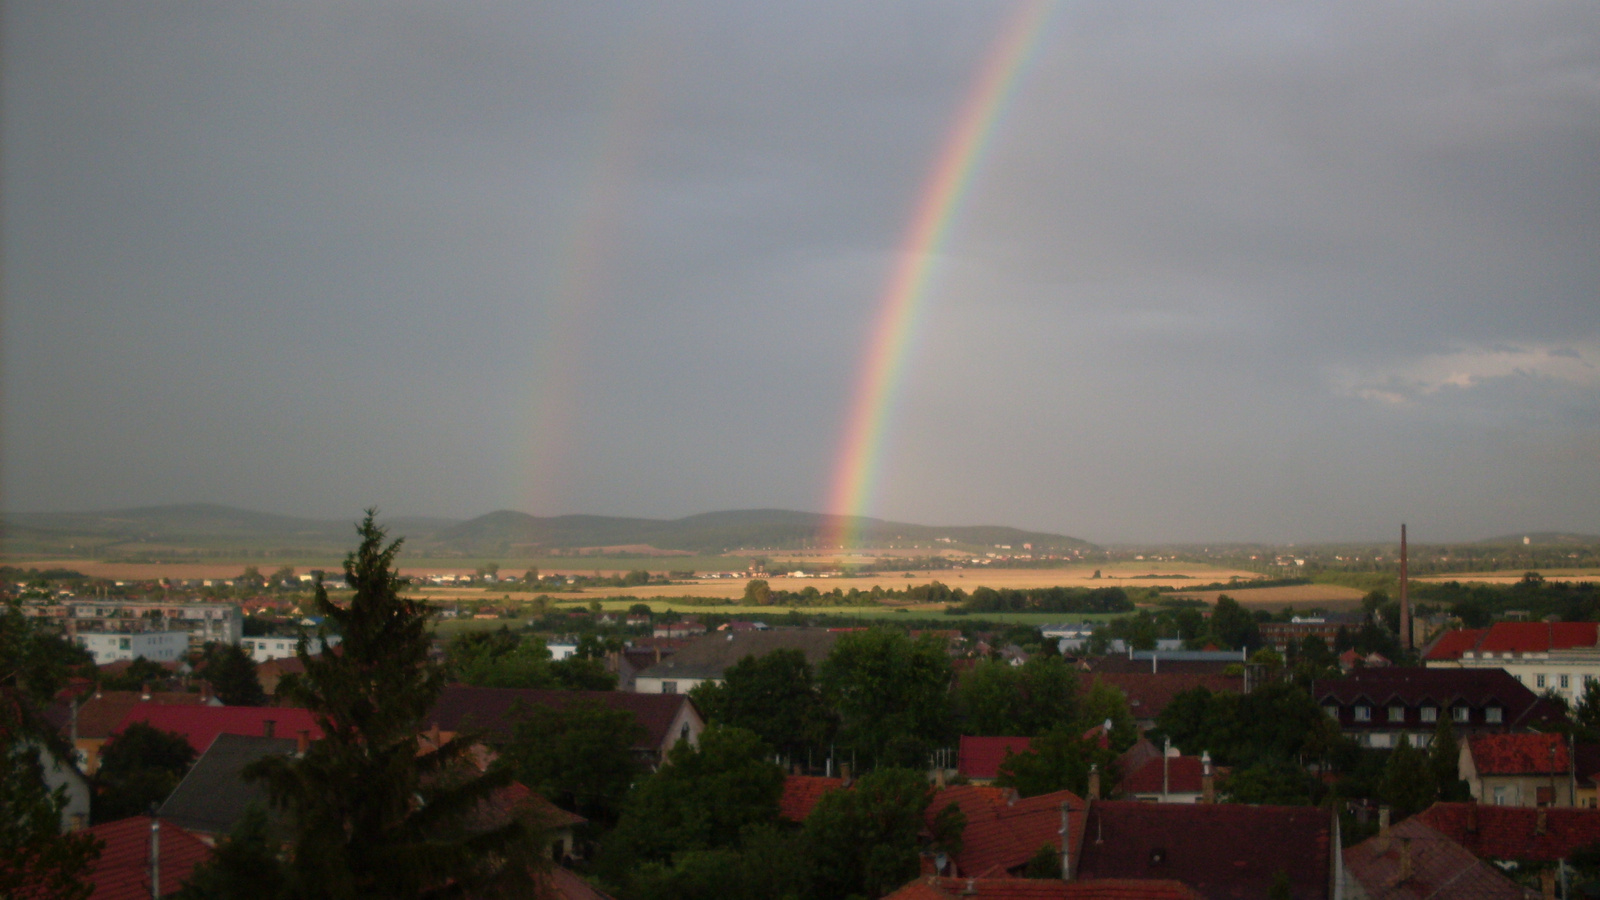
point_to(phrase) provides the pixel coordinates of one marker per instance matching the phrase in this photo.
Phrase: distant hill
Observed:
(213, 530)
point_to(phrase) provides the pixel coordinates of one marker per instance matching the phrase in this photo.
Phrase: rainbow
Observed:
(861, 454)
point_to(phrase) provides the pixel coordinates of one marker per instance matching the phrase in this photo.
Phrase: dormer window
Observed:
(1397, 713)
(1363, 713)
(1492, 715)
(1459, 714)
(1430, 714)
(1332, 710)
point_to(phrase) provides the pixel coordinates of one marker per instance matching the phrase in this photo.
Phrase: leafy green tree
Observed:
(232, 675)
(244, 867)
(39, 859)
(580, 673)
(1059, 760)
(768, 864)
(700, 800)
(757, 592)
(1444, 763)
(1276, 782)
(773, 695)
(139, 673)
(1044, 864)
(1232, 626)
(891, 694)
(579, 756)
(1407, 784)
(1586, 715)
(863, 842)
(502, 659)
(139, 767)
(998, 699)
(373, 814)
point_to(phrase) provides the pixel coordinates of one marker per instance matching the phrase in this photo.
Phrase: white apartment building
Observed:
(156, 646)
(262, 649)
(1559, 657)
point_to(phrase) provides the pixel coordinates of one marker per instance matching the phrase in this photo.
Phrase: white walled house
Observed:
(156, 646)
(265, 649)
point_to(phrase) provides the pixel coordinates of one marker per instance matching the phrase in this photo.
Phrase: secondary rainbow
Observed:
(860, 459)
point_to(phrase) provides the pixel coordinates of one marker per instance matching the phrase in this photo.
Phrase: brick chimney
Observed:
(1094, 782)
(1208, 787)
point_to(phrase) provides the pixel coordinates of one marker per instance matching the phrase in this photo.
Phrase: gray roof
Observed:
(710, 656)
(213, 796)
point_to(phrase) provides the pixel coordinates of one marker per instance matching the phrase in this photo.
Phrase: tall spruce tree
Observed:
(373, 814)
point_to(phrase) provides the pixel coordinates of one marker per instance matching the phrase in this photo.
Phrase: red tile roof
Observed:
(1512, 832)
(491, 709)
(123, 870)
(1516, 637)
(1183, 776)
(1520, 754)
(200, 725)
(1003, 832)
(1452, 644)
(980, 757)
(1220, 850)
(1149, 693)
(102, 713)
(801, 793)
(930, 888)
(1437, 864)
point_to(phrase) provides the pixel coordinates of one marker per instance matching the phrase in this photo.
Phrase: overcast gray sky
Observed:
(1283, 271)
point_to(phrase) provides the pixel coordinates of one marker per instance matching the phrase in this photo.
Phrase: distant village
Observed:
(1190, 751)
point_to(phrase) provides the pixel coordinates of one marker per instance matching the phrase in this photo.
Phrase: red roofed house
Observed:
(1004, 832)
(980, 757)
(1518, 769)
(91, 723)
(935, 888)
(1168, 779)
(1376, 706)
(1514, 832)
(801, 793)
(1545, 656)
(200, 725)
(123, 870)
(1220, 850)
(1412, 861)
(666, 718)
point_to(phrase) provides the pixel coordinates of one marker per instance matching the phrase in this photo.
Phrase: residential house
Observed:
(1281, 635)
(88, 721)
(1377, 706)
(1519, 769)
(1561, 657)
(1170, 778)
(1149, 693)
(666, 718)
(272, 672)
(1220, 850)
(979, 758)
(213, 795)
(263, 649)
(1003, 831)
(1412, 861)
(111, 646)
(680, 629)
(707, 658)
(123, 870)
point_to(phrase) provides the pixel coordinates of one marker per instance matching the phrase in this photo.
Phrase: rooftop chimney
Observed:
(145, 694)
(1094, 781)
(1208, 789)
(155, 857)
(1383, 821)
(205, 692)
(844, 773)
(1066, 842)
(1405, 600)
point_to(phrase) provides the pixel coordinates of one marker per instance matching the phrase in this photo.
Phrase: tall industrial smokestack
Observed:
(1405, 599)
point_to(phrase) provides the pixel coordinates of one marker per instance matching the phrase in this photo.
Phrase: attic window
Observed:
(1397, 713)
(1332, 711)
(1430, 714)
(1492, 715)
(1459, 714)
(1363, 713)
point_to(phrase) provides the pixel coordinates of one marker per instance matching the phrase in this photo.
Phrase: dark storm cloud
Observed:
(1228, 271)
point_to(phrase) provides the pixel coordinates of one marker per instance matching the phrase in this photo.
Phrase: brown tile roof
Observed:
(1439, 867)
(1004, 832)
(930, 888)
(1513, 832)
(980, 757)
(461, 707)
(123, 870)
(1520, 754)
(1148, 694)
(801, 793)
(1476, 688)
(1220, 850)
(102, 713)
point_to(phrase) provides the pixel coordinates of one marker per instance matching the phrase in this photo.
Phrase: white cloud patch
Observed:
(1481, 370)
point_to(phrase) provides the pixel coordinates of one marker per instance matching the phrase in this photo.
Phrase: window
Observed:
(1363, 713)
(1430, 714)
(1459, 714)
(1566, 682)
(669, 687)
(1518, 678)
(1332, 711)
(1538, 680)
(1500, 796)
(1492, 715)
(1397, 713)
